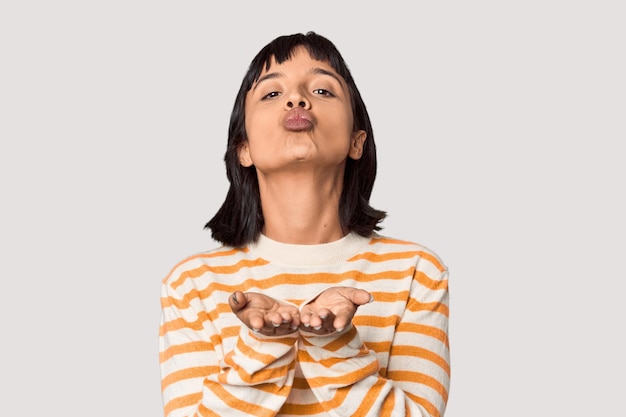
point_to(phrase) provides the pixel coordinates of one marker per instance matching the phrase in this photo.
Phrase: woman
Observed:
(305, 310)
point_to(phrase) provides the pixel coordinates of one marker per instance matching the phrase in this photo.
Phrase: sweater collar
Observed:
(308, 255)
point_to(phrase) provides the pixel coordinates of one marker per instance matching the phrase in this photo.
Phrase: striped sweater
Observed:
(393, 360)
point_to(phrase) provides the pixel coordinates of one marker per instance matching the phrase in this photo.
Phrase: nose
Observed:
(297, 98)
(301, 103)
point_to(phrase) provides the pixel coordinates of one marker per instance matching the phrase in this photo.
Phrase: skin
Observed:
(330, 312)
(300, 172)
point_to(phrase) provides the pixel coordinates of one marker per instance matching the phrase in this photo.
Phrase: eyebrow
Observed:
(313, 71)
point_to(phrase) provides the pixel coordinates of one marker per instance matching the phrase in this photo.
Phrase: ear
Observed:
(356, 144)
(244, 155)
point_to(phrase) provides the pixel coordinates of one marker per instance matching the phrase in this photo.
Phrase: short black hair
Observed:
(239, 220)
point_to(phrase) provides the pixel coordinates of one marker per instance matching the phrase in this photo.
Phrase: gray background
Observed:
(500, 129)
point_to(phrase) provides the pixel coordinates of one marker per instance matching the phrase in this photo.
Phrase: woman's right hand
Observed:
(264, 314)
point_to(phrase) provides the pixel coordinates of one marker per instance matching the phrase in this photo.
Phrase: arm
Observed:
(344, 374)
(199, 377)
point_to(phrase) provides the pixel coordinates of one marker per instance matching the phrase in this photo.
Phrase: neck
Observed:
(301, 209)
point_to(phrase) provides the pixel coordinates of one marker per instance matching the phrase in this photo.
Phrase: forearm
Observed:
(256, 376)
(257, 371)
(415, 375)
(211, 363)
(346, 380)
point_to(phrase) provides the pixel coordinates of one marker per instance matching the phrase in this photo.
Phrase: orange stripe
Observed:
(184, 401)
(423, 329)
(428, 406)
(222, 270)
(317, 278)
(389, 404)
(428, 282)
(303, 356)
(382, 257)
(188, 373)
(258, 377)
(230, 331)
(254, 354)
(432, 259)
(420, 378)
(300, 383)
(317, 408)
(185, 348)
(390, 297)
(379, 347)
(372, 394)
(205, 412)
(345, 379)
(239, 403)
(375, 321)
(340, 396)
(178, 324)
(341, 341)
(387, 240)
(301, 409)
(428, 256)
(205, 256)
(441, 308)
(421, 353)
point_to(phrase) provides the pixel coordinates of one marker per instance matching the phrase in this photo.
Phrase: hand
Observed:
(333, 309)
(263, 314)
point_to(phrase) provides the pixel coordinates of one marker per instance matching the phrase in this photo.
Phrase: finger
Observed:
(273, 319)
(237, 301)
(317, 318)
(315, 322)
(328, 323)
(256, 322)
(340, 322)
(290, 319)
(305, 319)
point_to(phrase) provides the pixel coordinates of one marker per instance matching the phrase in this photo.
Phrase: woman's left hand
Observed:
(332, 310)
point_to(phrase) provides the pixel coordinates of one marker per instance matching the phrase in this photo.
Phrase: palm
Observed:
(333, 309)
(264, 314)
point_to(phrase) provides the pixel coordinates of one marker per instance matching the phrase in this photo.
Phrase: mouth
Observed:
(298, 119)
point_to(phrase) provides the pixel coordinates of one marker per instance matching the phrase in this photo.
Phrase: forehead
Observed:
(299, 58)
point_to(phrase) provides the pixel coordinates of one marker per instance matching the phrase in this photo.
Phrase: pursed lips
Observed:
(298, 119)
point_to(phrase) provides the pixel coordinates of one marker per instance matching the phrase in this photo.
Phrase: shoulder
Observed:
(425, 258)
(219, 258)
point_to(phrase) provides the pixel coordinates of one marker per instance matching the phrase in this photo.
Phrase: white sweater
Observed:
(393, 361)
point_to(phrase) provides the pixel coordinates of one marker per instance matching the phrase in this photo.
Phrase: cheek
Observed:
(254, 124)
(344, 120)
(341, 129)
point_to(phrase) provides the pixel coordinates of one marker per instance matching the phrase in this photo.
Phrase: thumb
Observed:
(237, 301)
(360, 297)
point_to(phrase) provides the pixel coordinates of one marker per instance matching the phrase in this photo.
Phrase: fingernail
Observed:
(371, 298)
(324, 317)
(340, 330)
(317, 328)
(276, 324)
(234, 297)
(293, 327)
(306, 325)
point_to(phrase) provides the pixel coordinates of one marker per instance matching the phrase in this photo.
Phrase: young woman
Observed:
(305, 309)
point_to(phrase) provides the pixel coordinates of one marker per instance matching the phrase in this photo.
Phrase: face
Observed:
(299, 112)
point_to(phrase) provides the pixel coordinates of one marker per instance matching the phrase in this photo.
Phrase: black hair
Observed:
(239, 220)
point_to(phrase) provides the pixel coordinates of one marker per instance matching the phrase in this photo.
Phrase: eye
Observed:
(323, 92)
(270, 95)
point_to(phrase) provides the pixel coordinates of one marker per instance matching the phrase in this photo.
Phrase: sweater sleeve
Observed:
(253, 378)
(344, 375)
